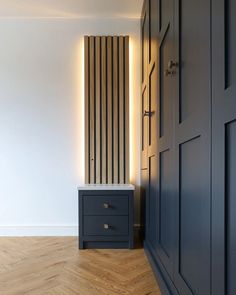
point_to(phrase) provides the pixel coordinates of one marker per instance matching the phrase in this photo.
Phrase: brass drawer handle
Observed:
(148, 113)
(106, 206)
(106, 226)
(173, 64)
(169, 72)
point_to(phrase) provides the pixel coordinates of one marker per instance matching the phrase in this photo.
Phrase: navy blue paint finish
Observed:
(94, 225)
(165, 221)
(158, 231)
(106, 205)
(192, 249)
(151, 229)
(223, 147)
(93, 217)
(193, 273)
(165, 201)
(143, 202)
(104, 245)
(230, 207)
(159, 194)
(163, 277)
(178, 236)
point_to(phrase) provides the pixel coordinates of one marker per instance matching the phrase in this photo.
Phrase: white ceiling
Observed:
(70, 8)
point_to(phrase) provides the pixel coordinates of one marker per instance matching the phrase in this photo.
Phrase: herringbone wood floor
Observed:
(55, 266)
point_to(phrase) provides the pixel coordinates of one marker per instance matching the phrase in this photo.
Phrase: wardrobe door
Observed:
(193, 147)
(149, 116)
(152, 83)
(144, 88)
(144, 119)
(165, 135)
(223, 147)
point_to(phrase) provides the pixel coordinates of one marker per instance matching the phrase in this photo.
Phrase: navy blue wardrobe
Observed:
(188, 158)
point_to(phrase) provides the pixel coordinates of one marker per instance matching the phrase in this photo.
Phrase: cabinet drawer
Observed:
(105, 205)
(106, 225)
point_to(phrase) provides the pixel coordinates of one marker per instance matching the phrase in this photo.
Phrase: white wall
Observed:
(41, 120)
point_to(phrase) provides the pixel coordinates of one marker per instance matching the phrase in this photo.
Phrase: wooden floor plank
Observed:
(55, 266)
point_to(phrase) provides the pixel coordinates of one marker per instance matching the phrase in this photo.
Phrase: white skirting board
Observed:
(38, 230)
(43, 230)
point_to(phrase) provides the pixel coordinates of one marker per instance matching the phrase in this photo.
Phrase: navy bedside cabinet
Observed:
(106, 213)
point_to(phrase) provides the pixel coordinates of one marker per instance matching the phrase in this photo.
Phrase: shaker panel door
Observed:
(223, 147)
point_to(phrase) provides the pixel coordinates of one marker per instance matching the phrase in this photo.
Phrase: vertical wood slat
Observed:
(126, 112)
(104, 112)
(87, 110)
(115, 111)
(98, 107)
(107, 109)
(92, 113)
(121, 111)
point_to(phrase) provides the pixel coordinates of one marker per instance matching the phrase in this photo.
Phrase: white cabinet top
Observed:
(115, 187)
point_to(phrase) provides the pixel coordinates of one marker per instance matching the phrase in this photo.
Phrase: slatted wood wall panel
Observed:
(106, 109)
